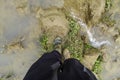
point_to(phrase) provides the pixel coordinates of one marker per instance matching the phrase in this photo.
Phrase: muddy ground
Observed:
(24, 22)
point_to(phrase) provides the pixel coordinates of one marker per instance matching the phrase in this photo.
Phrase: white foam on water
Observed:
(92, 40)
(112, 58)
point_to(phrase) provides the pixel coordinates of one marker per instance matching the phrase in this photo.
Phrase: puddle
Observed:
(19, 35)
(12, 27)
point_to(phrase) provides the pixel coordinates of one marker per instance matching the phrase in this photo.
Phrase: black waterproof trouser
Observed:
(50, 67)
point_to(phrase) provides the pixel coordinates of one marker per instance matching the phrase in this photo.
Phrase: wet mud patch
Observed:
(24, 22)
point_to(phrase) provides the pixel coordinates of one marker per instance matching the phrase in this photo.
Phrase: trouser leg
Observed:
(44, 67)
(73, 70)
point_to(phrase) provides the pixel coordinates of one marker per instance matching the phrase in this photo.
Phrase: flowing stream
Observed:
(92, 40)
(112, 59)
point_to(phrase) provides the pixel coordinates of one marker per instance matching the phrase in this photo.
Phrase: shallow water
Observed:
(13, 26)
(47, 3)
(93, 41)
(21, 25)
(11, 23)
(19, 35)
(99, 38)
